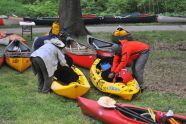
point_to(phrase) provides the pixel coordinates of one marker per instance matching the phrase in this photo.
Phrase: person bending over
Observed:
(45, 61)
(133, 53)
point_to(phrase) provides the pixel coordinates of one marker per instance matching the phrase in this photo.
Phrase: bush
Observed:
(11, 7)
(49, 8)
(42, 9)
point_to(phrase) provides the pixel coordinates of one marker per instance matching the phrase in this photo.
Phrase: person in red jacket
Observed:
(133, 53)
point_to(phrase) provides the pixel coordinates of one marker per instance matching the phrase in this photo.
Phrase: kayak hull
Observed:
(81, 54)
(17, 55)
(125, 91)
(102, 48)
(19, 64)
(74, 89)
(85, 61)
(113, 116)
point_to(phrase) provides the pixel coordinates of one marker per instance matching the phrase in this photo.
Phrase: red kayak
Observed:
(115, 116)
(81, 54)
(102, 48)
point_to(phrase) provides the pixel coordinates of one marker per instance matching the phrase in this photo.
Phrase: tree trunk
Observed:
(70, 18)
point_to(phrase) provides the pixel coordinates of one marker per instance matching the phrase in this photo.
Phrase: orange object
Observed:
(123, 33)
(11, 36)
(116, 33)
(16, 36)
(173, 121)
(2, 34)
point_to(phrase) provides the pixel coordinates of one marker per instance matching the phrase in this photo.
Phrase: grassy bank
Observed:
(164, 77)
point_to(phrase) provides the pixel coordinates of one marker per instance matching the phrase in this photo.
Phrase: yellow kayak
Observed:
(75, 88)
(17, 55)
(126, 91)
(20, 64)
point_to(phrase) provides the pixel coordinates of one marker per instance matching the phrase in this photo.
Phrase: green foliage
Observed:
(93, 7)
(115, 7)
(42, 9)
(11, 7)
(118, 7)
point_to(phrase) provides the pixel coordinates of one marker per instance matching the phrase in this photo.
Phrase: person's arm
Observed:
(61, 58)
(115, 62)
(123, 62)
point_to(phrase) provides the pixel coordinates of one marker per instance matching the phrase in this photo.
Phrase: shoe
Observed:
(49, 92)
(142, 87)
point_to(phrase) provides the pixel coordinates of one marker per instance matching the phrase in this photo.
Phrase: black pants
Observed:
(138, 67)
(44, 81)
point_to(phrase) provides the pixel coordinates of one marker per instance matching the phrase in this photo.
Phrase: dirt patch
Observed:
(166, 74)
(166, 46)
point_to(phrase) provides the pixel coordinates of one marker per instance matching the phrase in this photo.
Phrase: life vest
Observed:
(55, 28)
(124, 76)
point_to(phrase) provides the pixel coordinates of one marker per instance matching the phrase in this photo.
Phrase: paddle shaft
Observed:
(134, 114)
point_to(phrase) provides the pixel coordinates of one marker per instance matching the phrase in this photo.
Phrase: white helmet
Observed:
(57, 42)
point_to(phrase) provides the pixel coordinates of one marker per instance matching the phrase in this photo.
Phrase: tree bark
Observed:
(70, 18)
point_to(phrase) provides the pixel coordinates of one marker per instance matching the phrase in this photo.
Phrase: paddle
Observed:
(125, 110)
(108, 102)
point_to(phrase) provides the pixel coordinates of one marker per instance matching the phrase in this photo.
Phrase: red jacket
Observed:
(131, 50)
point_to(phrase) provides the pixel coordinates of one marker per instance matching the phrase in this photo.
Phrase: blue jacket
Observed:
(39, 41)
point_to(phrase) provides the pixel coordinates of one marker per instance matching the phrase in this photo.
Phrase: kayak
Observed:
(1, 58)
(6, 38)
(126, 91)
(129, 18)
(81, 55)
(17, 55)
(171, 19)
(116, 116)
(70, 83)
(102, 48)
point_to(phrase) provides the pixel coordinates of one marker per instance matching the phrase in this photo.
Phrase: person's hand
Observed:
(66, 65)
(111, 75)
(63, 64)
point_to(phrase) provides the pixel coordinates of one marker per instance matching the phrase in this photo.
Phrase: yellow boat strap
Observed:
(152, 115)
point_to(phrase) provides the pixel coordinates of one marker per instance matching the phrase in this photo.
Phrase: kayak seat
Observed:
(101, 44)
(65, 75)
(105, 74)
(16, 46)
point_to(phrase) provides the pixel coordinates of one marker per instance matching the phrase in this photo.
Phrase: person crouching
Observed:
(130, 52)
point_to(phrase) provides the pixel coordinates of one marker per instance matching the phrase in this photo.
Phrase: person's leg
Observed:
(138, 68)
(47, 80)
(47, 84)
(40, 80)
(37, 70)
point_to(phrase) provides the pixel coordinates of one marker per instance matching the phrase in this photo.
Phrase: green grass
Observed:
(164, 75)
